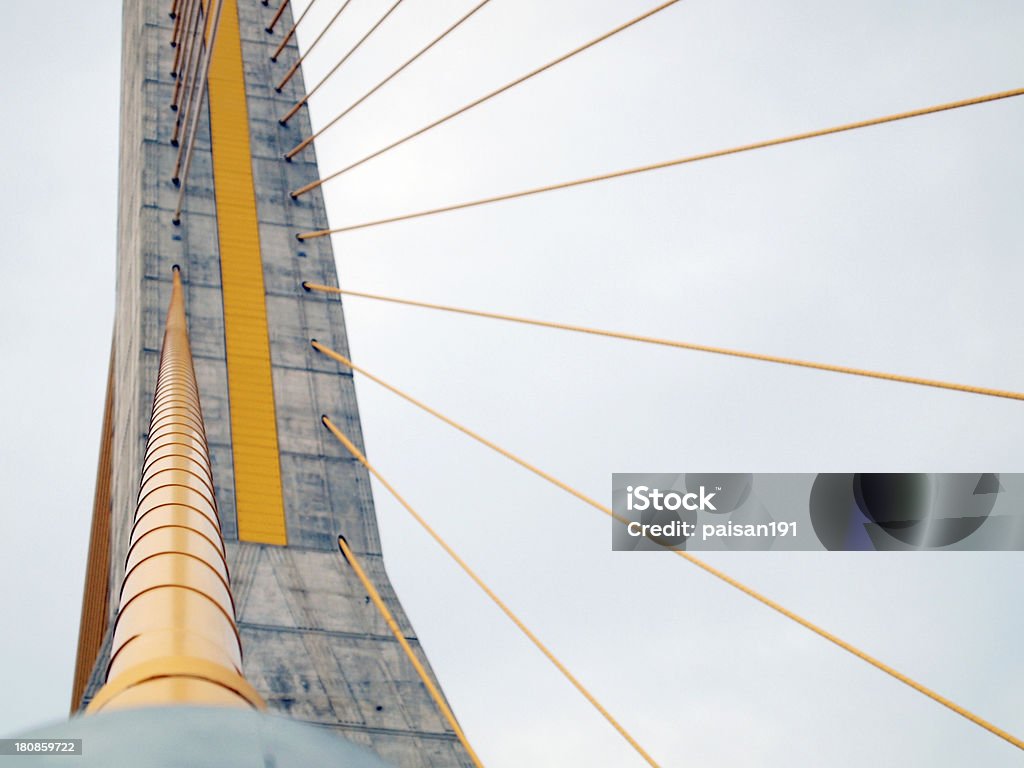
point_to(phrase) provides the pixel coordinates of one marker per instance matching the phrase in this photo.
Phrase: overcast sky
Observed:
(897, 248)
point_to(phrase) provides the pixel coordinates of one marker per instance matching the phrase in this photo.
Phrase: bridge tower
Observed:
(203, 185)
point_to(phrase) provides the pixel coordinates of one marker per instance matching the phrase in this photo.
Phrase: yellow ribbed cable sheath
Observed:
(669, 163)
(683, 345)
(880, 665)
(176, 581)
(487, 590)
(435, 694)
(487, 97)
(334, 120)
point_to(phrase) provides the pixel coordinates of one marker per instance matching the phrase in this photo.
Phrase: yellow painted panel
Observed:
(258, 495)
(96, 596)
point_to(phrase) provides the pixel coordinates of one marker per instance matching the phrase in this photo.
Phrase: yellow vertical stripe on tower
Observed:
(258, 497)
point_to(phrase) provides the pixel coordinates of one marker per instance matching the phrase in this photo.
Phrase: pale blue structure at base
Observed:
(196, 737)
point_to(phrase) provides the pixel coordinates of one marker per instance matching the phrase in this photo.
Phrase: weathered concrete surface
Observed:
(313, 646)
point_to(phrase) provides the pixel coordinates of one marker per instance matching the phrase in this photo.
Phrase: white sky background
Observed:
(896, 248)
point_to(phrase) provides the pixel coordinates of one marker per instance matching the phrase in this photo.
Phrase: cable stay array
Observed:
(301, 102)
(203, 41)
(389, 619)
(291, 32)
(298, 62)
(193, 36)
(721, 575)
(402, 67)
(677, 344)
(486, 97)
(344, 440)
(660, 165)
(186, 81)
(184, 25)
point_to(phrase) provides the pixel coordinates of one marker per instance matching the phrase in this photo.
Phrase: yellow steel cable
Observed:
(309, 139)
(181, 170)
(435, 694)
(187, 80)
(277, 16)
(487, 97)
(667, 163)
(487, 590)
(291, 32)
(176, 15)
(185, 118)
(1018, 743)
(452, 423)
(179, 25)
(683, 345)
(298, 105)
(298, 62)
(880, 665)
(183, 52)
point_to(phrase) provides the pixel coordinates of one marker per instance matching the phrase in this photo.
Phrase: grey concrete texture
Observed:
(314, 647)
